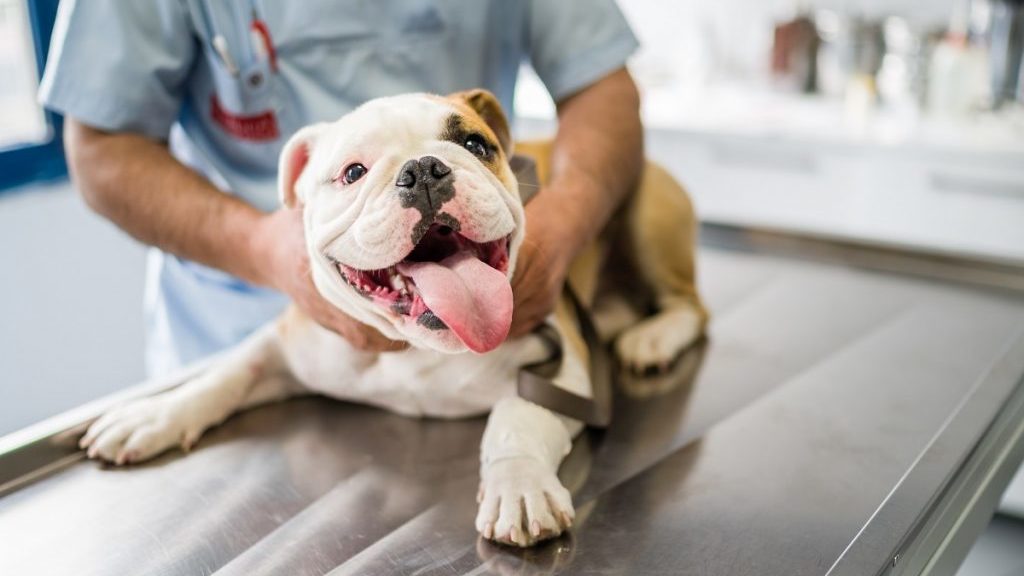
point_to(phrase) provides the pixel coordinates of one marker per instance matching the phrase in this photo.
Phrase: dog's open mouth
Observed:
(446, 282)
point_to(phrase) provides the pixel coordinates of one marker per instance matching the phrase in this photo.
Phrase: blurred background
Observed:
(896, 123)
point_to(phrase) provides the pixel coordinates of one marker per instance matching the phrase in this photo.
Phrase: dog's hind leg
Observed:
(252, 373)
(662, 231)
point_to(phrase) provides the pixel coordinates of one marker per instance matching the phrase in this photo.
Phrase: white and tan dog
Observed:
(413, 221)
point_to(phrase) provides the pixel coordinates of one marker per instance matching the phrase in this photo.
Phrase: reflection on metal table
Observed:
(838, 420)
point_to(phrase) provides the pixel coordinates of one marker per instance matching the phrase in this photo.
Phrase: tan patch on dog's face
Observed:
(468, 121)
(460, 128)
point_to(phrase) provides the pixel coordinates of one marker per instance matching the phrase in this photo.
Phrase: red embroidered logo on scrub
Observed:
(258, 127)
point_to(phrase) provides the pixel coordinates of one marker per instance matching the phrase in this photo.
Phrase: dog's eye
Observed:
(476, 145)
(353, 172)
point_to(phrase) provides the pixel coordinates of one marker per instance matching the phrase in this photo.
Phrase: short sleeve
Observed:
(120, 66)
(574, 44)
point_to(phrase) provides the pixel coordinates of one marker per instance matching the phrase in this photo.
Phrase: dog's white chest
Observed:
(413, 382)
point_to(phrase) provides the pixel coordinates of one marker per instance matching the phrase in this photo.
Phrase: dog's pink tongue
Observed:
(473, 299)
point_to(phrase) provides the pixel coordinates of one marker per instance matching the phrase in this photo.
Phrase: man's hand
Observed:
(541, 270)
(595, 163)
(280, 239)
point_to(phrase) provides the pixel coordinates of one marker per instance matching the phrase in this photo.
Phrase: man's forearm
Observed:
(137, 184)
(598, 155)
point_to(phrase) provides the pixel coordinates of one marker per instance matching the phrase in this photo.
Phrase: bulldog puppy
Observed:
(413, 222)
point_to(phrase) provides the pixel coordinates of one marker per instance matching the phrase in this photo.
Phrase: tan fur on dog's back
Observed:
(662, 222)
(646, 255)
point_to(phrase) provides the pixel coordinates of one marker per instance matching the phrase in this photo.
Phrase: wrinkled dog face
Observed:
(412, 216)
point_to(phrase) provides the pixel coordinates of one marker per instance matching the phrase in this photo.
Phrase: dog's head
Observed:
(412, 216)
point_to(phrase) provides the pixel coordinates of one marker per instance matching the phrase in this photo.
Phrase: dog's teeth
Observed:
(397, 283)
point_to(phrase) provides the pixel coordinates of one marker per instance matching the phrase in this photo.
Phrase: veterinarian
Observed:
(176, 112)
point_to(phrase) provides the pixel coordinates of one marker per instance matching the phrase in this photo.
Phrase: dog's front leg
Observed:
(252, 373)
(521, 498)
(522, 501)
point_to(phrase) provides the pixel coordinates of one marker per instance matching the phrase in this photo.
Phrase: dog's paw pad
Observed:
(522, 503)
(653, 345)
(136, 431)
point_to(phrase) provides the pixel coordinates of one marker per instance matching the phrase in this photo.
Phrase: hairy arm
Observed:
(597, 158)
(136, 183)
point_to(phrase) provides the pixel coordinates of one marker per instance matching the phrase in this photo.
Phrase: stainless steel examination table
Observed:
(840, 419)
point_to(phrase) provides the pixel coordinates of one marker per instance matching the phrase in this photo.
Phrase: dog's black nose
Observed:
(426, 171)
(425, 184)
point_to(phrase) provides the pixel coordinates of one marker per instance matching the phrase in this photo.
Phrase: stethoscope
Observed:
(260, 42)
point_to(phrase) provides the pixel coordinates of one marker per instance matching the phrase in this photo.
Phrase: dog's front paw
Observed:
(522, 502)
(140, 430)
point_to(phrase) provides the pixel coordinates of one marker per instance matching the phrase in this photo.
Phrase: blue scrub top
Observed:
(153, 68)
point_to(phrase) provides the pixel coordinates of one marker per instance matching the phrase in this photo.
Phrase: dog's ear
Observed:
(486, 106)
(293, 160)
